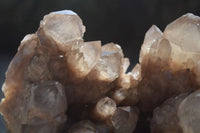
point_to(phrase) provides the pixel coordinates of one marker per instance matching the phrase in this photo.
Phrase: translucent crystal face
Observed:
(106, 107)
(63, 27)
(110, 63)
(84, 57)
(91, 52)
(136, 72)
(108, 67)
(184, 32)
(111, 47)
(49, 97)
(151, 40)
(164, 50)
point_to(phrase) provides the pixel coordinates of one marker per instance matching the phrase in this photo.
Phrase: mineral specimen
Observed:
(57, 83)
(53, 69)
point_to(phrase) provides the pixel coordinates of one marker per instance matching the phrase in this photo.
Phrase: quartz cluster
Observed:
(57, 83)
(170, 76)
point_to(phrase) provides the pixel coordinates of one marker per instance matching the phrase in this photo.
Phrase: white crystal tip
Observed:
(68, 12)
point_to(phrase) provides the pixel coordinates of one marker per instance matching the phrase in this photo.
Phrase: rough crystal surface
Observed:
(178, 115)
(165, 119)
(188, 113)
(124, 120)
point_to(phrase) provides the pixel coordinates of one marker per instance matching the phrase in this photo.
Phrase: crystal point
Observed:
(111, 47)
(62, 28)
(152, 37)
(184, 32)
